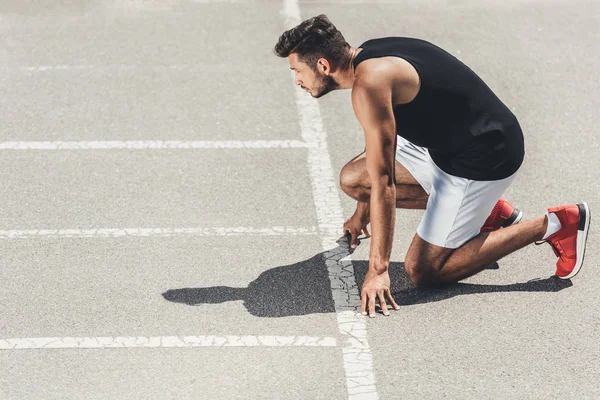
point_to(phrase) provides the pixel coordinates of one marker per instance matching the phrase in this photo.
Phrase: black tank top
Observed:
(469, 132)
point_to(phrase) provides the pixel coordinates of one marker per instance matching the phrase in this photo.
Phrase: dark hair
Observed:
(314, 38)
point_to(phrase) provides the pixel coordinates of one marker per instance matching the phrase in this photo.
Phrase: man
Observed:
(437, 138)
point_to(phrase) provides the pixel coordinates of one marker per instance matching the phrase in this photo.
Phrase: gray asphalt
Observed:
(200, 70)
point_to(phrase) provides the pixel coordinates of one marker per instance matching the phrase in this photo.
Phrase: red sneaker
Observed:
(503, 215)
(569, 242)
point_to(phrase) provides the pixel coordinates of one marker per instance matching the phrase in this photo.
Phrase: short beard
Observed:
(325, 85)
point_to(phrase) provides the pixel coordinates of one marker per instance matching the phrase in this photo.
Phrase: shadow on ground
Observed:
(405, 293)
(303, 288)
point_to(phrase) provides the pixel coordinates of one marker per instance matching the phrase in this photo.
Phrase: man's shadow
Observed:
(303, 288)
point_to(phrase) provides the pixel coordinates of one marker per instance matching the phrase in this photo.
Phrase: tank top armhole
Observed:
(360, 58)
(419, 74)
(416, 67)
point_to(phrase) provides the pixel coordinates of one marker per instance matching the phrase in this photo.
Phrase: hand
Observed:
(357, 224)
(376, 285)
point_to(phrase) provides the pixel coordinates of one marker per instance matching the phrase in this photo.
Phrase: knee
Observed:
(349, 180)
(422, 275)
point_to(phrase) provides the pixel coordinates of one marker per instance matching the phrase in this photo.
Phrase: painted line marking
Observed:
(123, 67)
(155, 232)
(358, 360)
(54, 67)
(65, 67)
(156, 144)
(164, 341)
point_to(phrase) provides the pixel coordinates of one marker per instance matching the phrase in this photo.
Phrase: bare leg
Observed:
(355, 182)
(428, 264)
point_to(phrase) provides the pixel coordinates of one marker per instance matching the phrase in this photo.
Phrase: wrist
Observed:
(378, 266)
(362, 210)
(362, 205)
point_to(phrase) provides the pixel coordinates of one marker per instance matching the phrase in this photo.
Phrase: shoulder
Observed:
(384, 76)
(384, 68)
(371, 89)
(372, 92)
(374, 74)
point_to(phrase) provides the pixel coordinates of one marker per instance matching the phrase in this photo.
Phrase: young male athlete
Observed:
(437, 138)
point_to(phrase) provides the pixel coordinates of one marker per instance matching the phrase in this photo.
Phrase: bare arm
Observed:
(372, 102)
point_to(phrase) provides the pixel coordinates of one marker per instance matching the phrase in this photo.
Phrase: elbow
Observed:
(383, 188)
(383, 194)
(383, 181)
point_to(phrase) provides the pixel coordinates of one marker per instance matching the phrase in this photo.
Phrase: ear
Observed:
(323, 66)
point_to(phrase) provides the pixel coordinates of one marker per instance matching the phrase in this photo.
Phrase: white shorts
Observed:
(457, 207)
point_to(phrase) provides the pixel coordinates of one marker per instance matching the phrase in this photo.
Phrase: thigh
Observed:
(458, 207)
(358, 166)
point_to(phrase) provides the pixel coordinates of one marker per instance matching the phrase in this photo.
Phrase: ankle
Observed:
(553, 225)
(543, 227)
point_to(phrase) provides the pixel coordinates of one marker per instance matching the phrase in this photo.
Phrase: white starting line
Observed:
(155, 144)
(165, 341)
(155, 232)
(358, 359)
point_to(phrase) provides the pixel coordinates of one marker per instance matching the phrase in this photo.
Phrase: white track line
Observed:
(120, 67)
(155, 232)
(165, 341)
(358, 361)
(54, 67)
(200, 66)
(155, 144)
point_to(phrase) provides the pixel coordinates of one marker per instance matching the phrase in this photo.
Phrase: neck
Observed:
(345, 75)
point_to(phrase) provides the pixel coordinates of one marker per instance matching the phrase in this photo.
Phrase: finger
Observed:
(348, 236)
(372, 304)
(391, 300)
(366, 231)
(382, 304)
(363, 303)
(345, 228)
(354, 240)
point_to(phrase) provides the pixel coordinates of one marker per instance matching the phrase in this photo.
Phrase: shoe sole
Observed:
(515, 218)
(582, 231)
